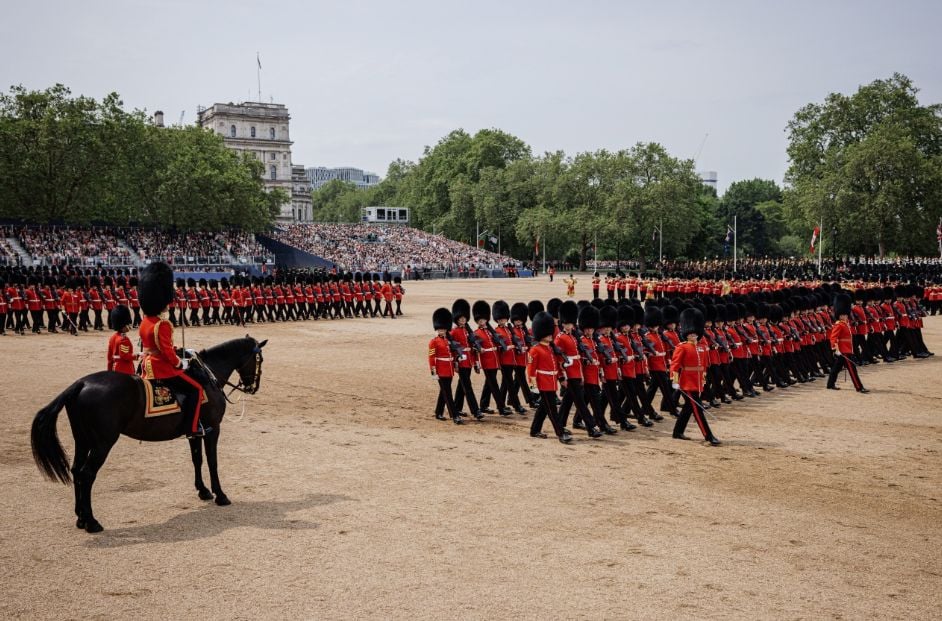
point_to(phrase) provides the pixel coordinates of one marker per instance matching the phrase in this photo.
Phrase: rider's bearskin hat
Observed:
(155, 290)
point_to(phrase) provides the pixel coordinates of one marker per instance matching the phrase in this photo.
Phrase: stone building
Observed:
(262, 130)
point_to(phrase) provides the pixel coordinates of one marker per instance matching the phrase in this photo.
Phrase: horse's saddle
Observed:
(159, 399)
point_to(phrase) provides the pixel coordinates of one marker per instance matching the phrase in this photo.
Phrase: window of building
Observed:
(274, 156)
(271, 133)
(273, 172)
(252, 131)
(232, 131)
(284, 156)
(403, 215)
(380, 214)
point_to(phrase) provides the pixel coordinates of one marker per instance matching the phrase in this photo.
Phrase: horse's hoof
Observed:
(93, 526)
(205, 494)
(80, 523)
(222, 500)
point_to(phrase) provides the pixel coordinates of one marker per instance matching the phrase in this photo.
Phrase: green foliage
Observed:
(77, 160)
(742, 199)
(870, 166)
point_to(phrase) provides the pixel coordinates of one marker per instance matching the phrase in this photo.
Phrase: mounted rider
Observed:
(159, 357)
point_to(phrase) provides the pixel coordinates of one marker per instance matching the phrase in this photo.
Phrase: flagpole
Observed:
(735, 242)
(595, 251)
(660, 242)
(820, 244)
(258, 75)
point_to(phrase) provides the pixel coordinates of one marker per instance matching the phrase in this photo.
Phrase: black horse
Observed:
(104, 405)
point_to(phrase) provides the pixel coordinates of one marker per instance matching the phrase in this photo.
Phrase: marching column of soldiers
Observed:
(74, 300)
(608, 362)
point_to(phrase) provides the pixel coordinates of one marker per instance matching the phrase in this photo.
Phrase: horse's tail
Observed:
(47, 450)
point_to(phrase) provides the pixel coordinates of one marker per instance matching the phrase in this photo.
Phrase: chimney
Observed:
(159, 118)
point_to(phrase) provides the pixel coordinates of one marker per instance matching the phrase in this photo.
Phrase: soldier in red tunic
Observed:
(688, 372)
(842, 344)
(160, 359)
(467, 356)
(398, 291)
(121, 354)
(569, 344)
(507, 356)
(441, 361)
(542, 372)
(489, 355)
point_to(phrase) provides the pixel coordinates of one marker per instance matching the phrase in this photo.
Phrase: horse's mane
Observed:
(236, 348)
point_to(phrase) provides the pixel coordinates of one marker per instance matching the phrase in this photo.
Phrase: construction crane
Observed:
(700, 150)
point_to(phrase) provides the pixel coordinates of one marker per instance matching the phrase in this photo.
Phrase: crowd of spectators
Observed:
(51, 245)
(244, 247)
(377, 247)
(126, 247)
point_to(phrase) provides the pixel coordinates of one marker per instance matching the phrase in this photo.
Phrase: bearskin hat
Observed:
(608, 316)
(588, 317)
(710, 313)
(543, 325)
(441, 319)
(155, 290)
(397, 280)
(518, 312)
(639, 314)
(597, 303)
(652, 316)
(357, 277)
(720, 310)
(552, 306)
(460, 308)
(762, 310)
(888, 293)
(626, 316)
(669, 314)
(501, 310)
(691, 322)
(190, 282)
(842, 304)
(568, 312)
(120, 317)
(534, 307)
(751, 309)
(481, 310)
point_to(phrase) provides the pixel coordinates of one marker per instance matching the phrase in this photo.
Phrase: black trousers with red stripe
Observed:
(690, 407)
(842, 362)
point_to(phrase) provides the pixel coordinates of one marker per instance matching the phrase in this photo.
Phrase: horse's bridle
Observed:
(249, 389)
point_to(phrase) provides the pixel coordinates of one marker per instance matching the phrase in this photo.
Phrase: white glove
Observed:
(534, 390)
(184, 364)
(190, 353)
(434, 375)
(675, 386)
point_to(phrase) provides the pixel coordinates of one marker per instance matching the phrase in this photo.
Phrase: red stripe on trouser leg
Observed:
(698, 416)
(199, 398)
(853, 373)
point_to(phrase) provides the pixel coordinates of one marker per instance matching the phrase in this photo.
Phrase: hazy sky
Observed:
(368, 82)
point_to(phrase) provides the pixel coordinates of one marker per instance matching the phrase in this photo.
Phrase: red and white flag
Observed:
(814, 238)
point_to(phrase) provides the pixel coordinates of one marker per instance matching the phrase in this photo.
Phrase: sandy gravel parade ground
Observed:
(351, 501)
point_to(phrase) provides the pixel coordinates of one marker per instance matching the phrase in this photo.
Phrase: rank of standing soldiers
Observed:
(72, 301)
(610, 362)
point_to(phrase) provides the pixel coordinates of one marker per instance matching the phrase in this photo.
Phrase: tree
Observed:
(870, 166)
(741, 200)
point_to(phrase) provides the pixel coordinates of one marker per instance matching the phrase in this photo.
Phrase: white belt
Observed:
(542, 372)
(443, 359)
(489, 349)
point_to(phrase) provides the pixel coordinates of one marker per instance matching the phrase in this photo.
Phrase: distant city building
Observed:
(708, 178)
(262, 130)
(302, 207)
(320, 175)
